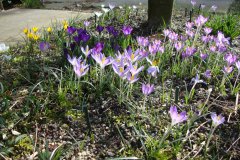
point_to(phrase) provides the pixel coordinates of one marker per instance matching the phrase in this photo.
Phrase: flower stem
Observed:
(191, 94)
(165, 135)
(129, 90)
(209, 137)
(121, 93)
(235, 83)
(144, 102)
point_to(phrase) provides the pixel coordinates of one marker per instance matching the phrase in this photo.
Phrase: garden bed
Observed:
(100, 111)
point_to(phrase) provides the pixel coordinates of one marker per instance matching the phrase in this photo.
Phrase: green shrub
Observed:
(228, 24)
(32, 3)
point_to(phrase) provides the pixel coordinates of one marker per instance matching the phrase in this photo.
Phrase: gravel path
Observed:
(13, 21)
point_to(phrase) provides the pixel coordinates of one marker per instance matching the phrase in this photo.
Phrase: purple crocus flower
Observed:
(205, 39)
(213, 48)
(153, 69)
(161, 49)
(145, 42)
(211, 37)
(147, 89)
(86, 51)
(178, 46)
(207, 30)
(129, 49)
(80, 31)
(77, 39)
(142, 41)
(173, 36)
(189, 25)
(222, 48)
(71, 30)
(132, 78)
(86, 23)
(143, 53)
(127, 30)
(44, 46)
(101, 59)
(74, 60)
(153, 48)
(221, 40)
(85, 36)
(134, 68)
(200, 21)
(166, 32)
(208, 74)
(98, 47)
(99, 29)
(132, 56)
(183, 38)
(189, 52)
(81, 68)
(177, 117)
(115, 33)
(120, 69)
(217, 119)
(157, 42)
(110, 29)
(120, 58)
(230, 58)
(196, 80)
(190, 33)
(203, 56)
(227, 69)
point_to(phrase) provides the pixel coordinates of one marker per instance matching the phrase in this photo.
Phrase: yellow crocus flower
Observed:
(49, 29)
(30, 35)
(35, 29)
(35, 37)
(65, 26)
(25, 31)
(65, 22)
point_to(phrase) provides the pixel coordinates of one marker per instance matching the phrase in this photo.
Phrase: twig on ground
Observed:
(233, 144)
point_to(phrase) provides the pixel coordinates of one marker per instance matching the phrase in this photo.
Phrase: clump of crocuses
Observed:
(79, 66)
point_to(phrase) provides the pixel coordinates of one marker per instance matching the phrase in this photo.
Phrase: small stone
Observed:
(110, 154)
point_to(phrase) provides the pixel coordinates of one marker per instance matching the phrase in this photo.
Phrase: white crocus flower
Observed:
(105, 10)
(98, 14)
(134, 7)
(111, 6)
(7, 57)
(3, 47)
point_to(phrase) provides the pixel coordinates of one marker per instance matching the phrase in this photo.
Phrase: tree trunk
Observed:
(159, 12)
(1, 5)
